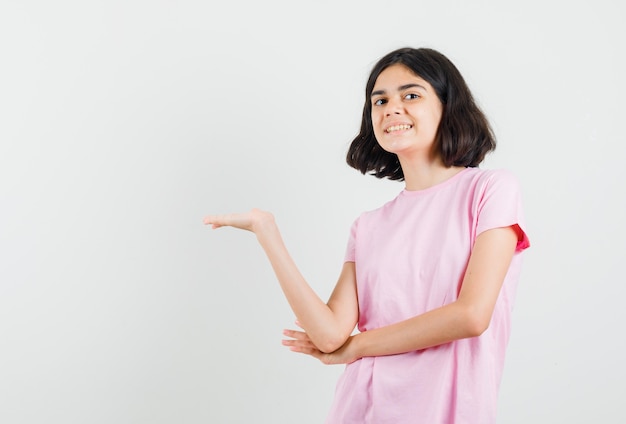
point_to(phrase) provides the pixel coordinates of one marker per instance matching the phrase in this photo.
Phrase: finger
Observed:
(298, 342)
(315, 353)
(217, 221)
(298, 339)
(302, 347)
(213, 226)
(211, 219)
(298, 335)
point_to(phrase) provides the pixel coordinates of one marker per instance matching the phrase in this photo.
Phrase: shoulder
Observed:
(498, 174)
(374, 215)
(484, 179)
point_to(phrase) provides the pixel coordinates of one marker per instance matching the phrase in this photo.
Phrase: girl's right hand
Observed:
(254, 220)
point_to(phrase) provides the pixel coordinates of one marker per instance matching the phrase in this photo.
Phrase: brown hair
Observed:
(464, 135)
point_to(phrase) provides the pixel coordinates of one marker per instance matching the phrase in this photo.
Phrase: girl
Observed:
(430, 276)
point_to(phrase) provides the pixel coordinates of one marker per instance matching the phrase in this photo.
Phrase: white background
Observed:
(123, 123)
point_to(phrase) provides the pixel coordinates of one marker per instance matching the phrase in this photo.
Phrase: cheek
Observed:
(377, 135)
(437, 115)
(433, 118)
(375, 119)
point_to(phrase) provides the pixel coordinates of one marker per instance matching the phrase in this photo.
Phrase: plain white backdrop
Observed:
(123, 123)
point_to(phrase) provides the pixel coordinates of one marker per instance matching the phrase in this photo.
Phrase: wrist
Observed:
(356, 346)
(264, 224)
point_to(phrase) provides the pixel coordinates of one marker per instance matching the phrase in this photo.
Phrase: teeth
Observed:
(398, 127)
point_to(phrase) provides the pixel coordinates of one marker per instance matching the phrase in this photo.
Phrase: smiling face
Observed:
(405, 112)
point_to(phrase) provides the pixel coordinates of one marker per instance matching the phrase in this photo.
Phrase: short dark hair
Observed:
(464, 135)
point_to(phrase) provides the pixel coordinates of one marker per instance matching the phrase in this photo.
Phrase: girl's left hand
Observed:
(300, 342)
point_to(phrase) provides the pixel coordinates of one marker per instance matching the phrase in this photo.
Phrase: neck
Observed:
(420, 175)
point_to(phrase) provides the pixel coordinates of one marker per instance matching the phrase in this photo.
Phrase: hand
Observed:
(300, 342)
(250, 221)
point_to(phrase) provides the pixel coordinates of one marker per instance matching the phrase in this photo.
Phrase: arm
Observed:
(468, 316)
(328, 325)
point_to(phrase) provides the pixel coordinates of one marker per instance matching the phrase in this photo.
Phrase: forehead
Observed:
(398, 75)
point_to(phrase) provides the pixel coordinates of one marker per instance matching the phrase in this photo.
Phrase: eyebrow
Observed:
(401, 88)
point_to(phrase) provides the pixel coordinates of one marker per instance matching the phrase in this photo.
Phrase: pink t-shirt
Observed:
(410, 257)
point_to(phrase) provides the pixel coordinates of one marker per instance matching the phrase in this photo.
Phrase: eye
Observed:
(379, 101)
(412, 96)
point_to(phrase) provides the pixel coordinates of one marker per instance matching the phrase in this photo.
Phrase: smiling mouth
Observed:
(398, 128)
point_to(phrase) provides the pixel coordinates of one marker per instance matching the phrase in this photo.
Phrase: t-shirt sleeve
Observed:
(350, 255)
(500, 205)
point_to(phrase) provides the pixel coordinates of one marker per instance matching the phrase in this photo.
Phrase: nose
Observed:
(394, 107)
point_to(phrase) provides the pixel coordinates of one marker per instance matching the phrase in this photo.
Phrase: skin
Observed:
(401, 97)
(405, 115)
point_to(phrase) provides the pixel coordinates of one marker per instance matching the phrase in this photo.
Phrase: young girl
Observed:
(430, 276)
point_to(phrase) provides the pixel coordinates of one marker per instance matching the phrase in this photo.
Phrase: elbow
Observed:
(475, 323)
(477, 328)
(329, 346)
(331, 342)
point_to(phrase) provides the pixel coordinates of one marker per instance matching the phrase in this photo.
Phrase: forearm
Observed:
(314, 315)
(443, 325)
(468, 316)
